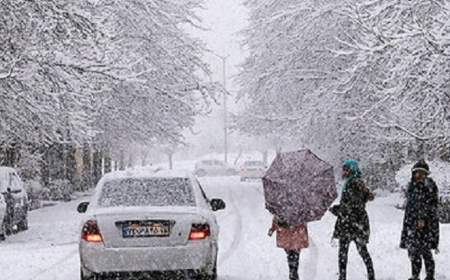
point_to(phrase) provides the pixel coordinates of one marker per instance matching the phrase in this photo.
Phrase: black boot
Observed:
(293, 262)
(293, 275)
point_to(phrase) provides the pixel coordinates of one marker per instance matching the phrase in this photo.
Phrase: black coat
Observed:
(353, 221)
(422, 204)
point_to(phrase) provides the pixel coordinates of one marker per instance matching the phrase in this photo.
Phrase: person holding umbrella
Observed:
(292, 239)
(420, 232)
(299, 188)
(352, 223)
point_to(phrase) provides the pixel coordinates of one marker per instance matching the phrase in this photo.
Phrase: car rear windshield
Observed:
(157, 192)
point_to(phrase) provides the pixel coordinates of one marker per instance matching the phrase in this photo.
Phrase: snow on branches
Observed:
(351, 77)
(107, 71)
(159, 66)
(288, 79)
(42, 96)
(401, 54)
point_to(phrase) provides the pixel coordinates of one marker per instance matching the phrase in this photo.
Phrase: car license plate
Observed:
(145, 229)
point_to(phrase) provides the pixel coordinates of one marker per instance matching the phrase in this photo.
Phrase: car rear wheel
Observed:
(87, 275)
(3, 231)
(23, 224)
(210, 275)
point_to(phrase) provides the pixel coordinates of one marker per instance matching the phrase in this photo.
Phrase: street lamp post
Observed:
(225, 109)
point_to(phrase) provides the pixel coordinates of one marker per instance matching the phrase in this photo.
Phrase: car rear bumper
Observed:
(194, 256)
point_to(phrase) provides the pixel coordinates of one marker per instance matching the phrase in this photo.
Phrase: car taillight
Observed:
(199, 232)
(91, 232)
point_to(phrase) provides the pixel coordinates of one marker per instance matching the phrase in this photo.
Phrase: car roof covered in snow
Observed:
(146, 173)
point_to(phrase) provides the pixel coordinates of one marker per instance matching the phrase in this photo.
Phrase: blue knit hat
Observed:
(354, 167)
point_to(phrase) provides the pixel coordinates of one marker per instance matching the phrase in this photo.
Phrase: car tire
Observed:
(243, 179)
(23, 224)
(86, 275)
(211, 275)
(3, 231)
(8, 227)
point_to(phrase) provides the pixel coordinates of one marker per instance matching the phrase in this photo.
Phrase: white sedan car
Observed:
(141, 223)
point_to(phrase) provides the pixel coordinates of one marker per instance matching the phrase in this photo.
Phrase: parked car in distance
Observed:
(149, 223)
(252, 169)
(213, 168)
(10, 180)
(2, 217)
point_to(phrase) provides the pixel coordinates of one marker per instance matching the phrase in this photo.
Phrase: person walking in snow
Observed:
(352, 223)
(292, 239)
(420, 234)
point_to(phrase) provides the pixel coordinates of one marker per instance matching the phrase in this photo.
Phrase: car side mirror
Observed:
(82, 207)
(217, 204)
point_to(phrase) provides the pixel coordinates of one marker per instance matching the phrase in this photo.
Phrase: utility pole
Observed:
(225, 107)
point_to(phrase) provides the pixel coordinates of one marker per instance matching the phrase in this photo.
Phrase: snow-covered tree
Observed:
(158, 71)
(288, 79)
(101, 75)
(398, 85)
(46, 49)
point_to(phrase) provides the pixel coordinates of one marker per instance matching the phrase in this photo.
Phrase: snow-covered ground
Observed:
(49, 249)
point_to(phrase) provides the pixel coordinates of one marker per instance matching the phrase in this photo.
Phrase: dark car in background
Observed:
(12, 188)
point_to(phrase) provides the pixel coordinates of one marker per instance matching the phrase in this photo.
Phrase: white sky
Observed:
(224, 19)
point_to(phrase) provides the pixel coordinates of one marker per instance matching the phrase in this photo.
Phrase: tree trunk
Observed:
(122, 160)
(71, 164)
(56, 163)
(421, 150)
(45, 170)
(97, 165)
(10, 155)
(170, 157)
(87, 168)
(144, 158)
(107, 161)
(130, 161)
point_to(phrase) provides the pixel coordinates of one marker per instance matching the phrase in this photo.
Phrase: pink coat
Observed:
(292, 238)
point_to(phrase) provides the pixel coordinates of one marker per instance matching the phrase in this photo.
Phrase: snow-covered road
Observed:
(49, 249)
